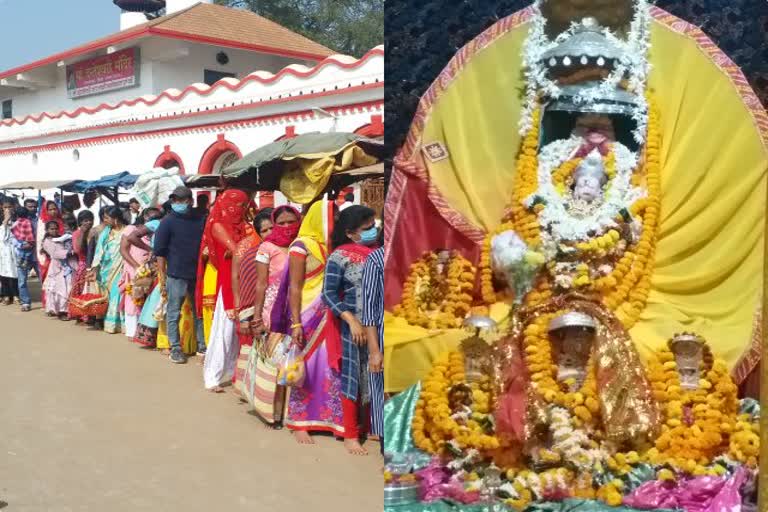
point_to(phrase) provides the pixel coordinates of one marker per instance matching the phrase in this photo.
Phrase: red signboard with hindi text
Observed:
(106, 73)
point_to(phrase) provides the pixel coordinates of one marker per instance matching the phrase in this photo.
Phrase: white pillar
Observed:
(131, 19)
(172, 6)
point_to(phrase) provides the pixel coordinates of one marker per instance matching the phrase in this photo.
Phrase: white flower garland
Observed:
(556, 222)
(573, 443)
(633, 64)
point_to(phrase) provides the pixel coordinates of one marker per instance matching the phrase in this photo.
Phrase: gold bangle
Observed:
(293, 326)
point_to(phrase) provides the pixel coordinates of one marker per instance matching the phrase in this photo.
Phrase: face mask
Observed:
(180, 207)
(152, 225)
(369, 236)
(282, 236)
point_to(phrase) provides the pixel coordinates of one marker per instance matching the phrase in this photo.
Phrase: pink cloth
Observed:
(129, 273)
(277, 258)
(58, 281)
(700, 494)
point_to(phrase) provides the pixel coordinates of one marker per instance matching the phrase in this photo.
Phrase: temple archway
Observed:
(218, 155)
(168, 159)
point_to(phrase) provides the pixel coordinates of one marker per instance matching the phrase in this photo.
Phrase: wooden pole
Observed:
(763, 476)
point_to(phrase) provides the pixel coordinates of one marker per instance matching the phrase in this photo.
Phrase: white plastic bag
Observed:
(153, 188)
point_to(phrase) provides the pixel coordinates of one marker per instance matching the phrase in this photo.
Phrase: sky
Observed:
(34, 29)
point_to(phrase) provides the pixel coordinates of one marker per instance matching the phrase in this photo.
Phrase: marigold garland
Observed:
(438, 301)
(465, 422)
(562, 177)
(634, 271)
(698, 422)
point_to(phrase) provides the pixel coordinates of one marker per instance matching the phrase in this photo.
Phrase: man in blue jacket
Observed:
(177, 247)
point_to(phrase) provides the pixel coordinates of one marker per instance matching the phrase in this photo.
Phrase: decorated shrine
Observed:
(574, 271)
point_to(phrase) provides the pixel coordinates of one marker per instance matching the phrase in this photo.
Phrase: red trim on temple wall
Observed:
(120, 37)
(373, 129)
(201, 91)
(168, 156)
(90, 141)
(266, 199)
(183, 115)
(290, 132)
(214, 151)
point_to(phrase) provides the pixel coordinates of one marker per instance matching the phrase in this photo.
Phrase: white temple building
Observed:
(195, 89)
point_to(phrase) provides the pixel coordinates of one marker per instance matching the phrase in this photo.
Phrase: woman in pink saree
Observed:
(315, 406)
(61, 270)
(134, 256)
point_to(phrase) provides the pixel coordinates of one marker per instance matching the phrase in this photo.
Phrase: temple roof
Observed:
(207, 24)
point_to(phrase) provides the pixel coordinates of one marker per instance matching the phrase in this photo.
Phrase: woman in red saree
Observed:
(80, 248)
(244, 283)
(225, 229)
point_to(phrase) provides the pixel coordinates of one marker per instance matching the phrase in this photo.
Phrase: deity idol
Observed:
(700, 409)
(569, 227)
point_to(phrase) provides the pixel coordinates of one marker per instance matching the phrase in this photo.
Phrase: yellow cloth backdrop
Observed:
(709, 257)
(307, 175)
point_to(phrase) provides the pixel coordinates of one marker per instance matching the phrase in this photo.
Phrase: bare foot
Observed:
(217, 389)
(303, 437)
(354, 447)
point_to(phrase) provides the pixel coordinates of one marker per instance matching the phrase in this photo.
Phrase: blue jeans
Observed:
(177, 290)
(23, 286)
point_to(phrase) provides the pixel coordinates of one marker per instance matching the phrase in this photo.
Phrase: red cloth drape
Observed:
(418, 228)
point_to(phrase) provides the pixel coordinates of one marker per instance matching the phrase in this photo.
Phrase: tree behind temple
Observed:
(350, 27)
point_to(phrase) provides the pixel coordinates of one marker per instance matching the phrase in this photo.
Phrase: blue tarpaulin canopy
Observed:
(120, 180)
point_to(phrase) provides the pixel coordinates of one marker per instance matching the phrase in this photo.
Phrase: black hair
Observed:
(70, 221)
(167, 207)
(276, 212)
(149, 214)
(21, 213)
(258, 220)
(30, 200)
(133, 200)
(349, 196)
(350, 219)
(116, 214)
(83, 216)
(51, 223)
(103, 211)
(9, 201)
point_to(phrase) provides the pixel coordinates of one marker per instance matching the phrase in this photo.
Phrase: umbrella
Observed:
(303, 165)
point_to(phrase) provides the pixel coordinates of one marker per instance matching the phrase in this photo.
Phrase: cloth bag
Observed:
(259, 383)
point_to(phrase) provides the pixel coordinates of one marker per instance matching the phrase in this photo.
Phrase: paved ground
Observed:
(90, 422)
